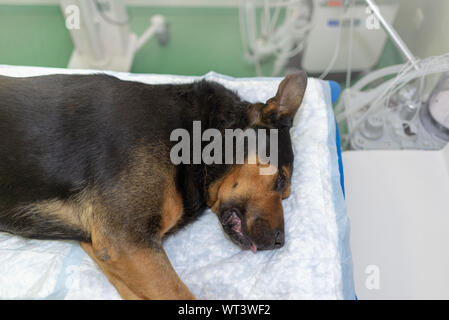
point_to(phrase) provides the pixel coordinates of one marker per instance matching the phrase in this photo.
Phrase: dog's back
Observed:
(50, 133)
(67, 139)
(63, 135)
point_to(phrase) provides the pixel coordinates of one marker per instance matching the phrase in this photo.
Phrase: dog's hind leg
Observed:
(137, 272)
(122, 288)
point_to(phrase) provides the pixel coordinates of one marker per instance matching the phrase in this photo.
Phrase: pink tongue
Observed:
(253, 248)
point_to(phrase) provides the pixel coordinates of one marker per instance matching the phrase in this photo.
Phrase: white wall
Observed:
(424, 26)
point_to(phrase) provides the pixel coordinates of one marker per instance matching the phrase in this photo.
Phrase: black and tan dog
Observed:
(87, 158)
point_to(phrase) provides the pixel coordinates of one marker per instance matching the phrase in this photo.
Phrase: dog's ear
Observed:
(280, 109)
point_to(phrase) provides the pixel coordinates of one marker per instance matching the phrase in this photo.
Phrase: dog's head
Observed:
(248, 203)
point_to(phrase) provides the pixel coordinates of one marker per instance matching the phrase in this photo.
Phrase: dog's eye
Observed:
(280, 182)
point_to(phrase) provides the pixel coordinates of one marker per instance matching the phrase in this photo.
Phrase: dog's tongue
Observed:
(253, 247)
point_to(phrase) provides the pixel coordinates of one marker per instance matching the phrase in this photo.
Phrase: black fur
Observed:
(61, 133)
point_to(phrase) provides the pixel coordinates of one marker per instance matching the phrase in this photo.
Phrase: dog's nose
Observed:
(279, 239)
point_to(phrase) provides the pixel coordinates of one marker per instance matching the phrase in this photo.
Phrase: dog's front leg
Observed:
(138, 273)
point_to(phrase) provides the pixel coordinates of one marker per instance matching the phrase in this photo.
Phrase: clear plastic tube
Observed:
(283, 41)
(378, 99)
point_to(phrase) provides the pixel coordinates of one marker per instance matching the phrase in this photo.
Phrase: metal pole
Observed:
(393, 34)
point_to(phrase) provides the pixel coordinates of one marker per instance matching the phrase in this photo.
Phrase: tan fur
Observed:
(137, 273)
(76, 211)
(137, 194)
(172, 208)
(136, 270)
(245, 181)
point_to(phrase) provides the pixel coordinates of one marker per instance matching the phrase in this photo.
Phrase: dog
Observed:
(87, 158)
